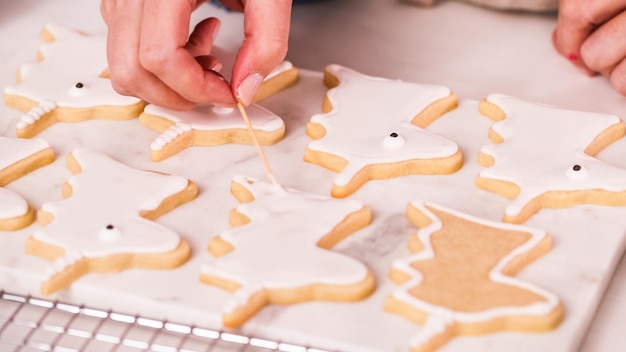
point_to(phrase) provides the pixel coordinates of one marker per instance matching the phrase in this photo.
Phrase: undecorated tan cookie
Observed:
(19, 157)
(375, 128)
(69, 84)
(543, 157)
(207, 126)
(279, 253)
(459, 279)
(104, 223)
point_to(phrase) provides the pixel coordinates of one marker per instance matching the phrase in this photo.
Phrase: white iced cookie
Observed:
(208, 125)
(19, 157)
(279, 251)
(105, 221)
(375, 128)
(69, 84)
(543, 157)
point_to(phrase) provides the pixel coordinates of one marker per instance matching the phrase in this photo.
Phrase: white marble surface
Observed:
(473, 51)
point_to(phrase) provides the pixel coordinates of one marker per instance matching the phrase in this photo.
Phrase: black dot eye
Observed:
(79, 85)
(394, 135)
(576, 167)
(109, 227)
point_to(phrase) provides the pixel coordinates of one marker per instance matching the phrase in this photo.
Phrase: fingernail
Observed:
(248, 88)
(217, 66)
(216, 29)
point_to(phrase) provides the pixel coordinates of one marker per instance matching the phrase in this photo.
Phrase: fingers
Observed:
(577, 20)
(163, 52)
(605, 51)
(266, 35)
(571, 31)
(201, 39)
(605, 47)
(618, 77)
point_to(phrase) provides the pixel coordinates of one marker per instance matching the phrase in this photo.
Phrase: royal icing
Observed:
(68, 76)
(544, 151)
(278, 248)
(12, 151)
(441, 318)
(102, 217)
(208, 118)
(367, 111)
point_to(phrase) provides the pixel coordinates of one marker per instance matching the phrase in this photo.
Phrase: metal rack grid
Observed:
(29, 324)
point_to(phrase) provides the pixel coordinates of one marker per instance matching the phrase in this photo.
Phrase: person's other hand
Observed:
(592, 35)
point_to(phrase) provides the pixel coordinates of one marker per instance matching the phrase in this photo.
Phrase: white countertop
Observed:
(474, 51)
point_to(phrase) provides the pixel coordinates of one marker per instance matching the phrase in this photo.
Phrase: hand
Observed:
(590, 33)
(151, 54)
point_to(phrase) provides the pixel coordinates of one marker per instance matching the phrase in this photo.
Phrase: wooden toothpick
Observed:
(268, 169)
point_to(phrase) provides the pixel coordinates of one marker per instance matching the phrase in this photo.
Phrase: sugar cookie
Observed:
(208, 125)
(69, 84)
(543, 157)
(279, 253)
(374, 128)
(19, 157)
(104, 223)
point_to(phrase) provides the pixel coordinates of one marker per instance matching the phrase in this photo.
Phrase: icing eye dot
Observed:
(79, 90)
(109, 233)
(393, 141)
(577, 172)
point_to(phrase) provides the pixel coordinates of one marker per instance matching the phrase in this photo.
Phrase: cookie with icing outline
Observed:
(543, 157)
(105, 223)
(279, 250)
(19, 157)
(69, 84)
(459, 279)
(375, 128)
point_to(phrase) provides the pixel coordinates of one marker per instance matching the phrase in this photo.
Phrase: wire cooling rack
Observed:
(29, 324)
